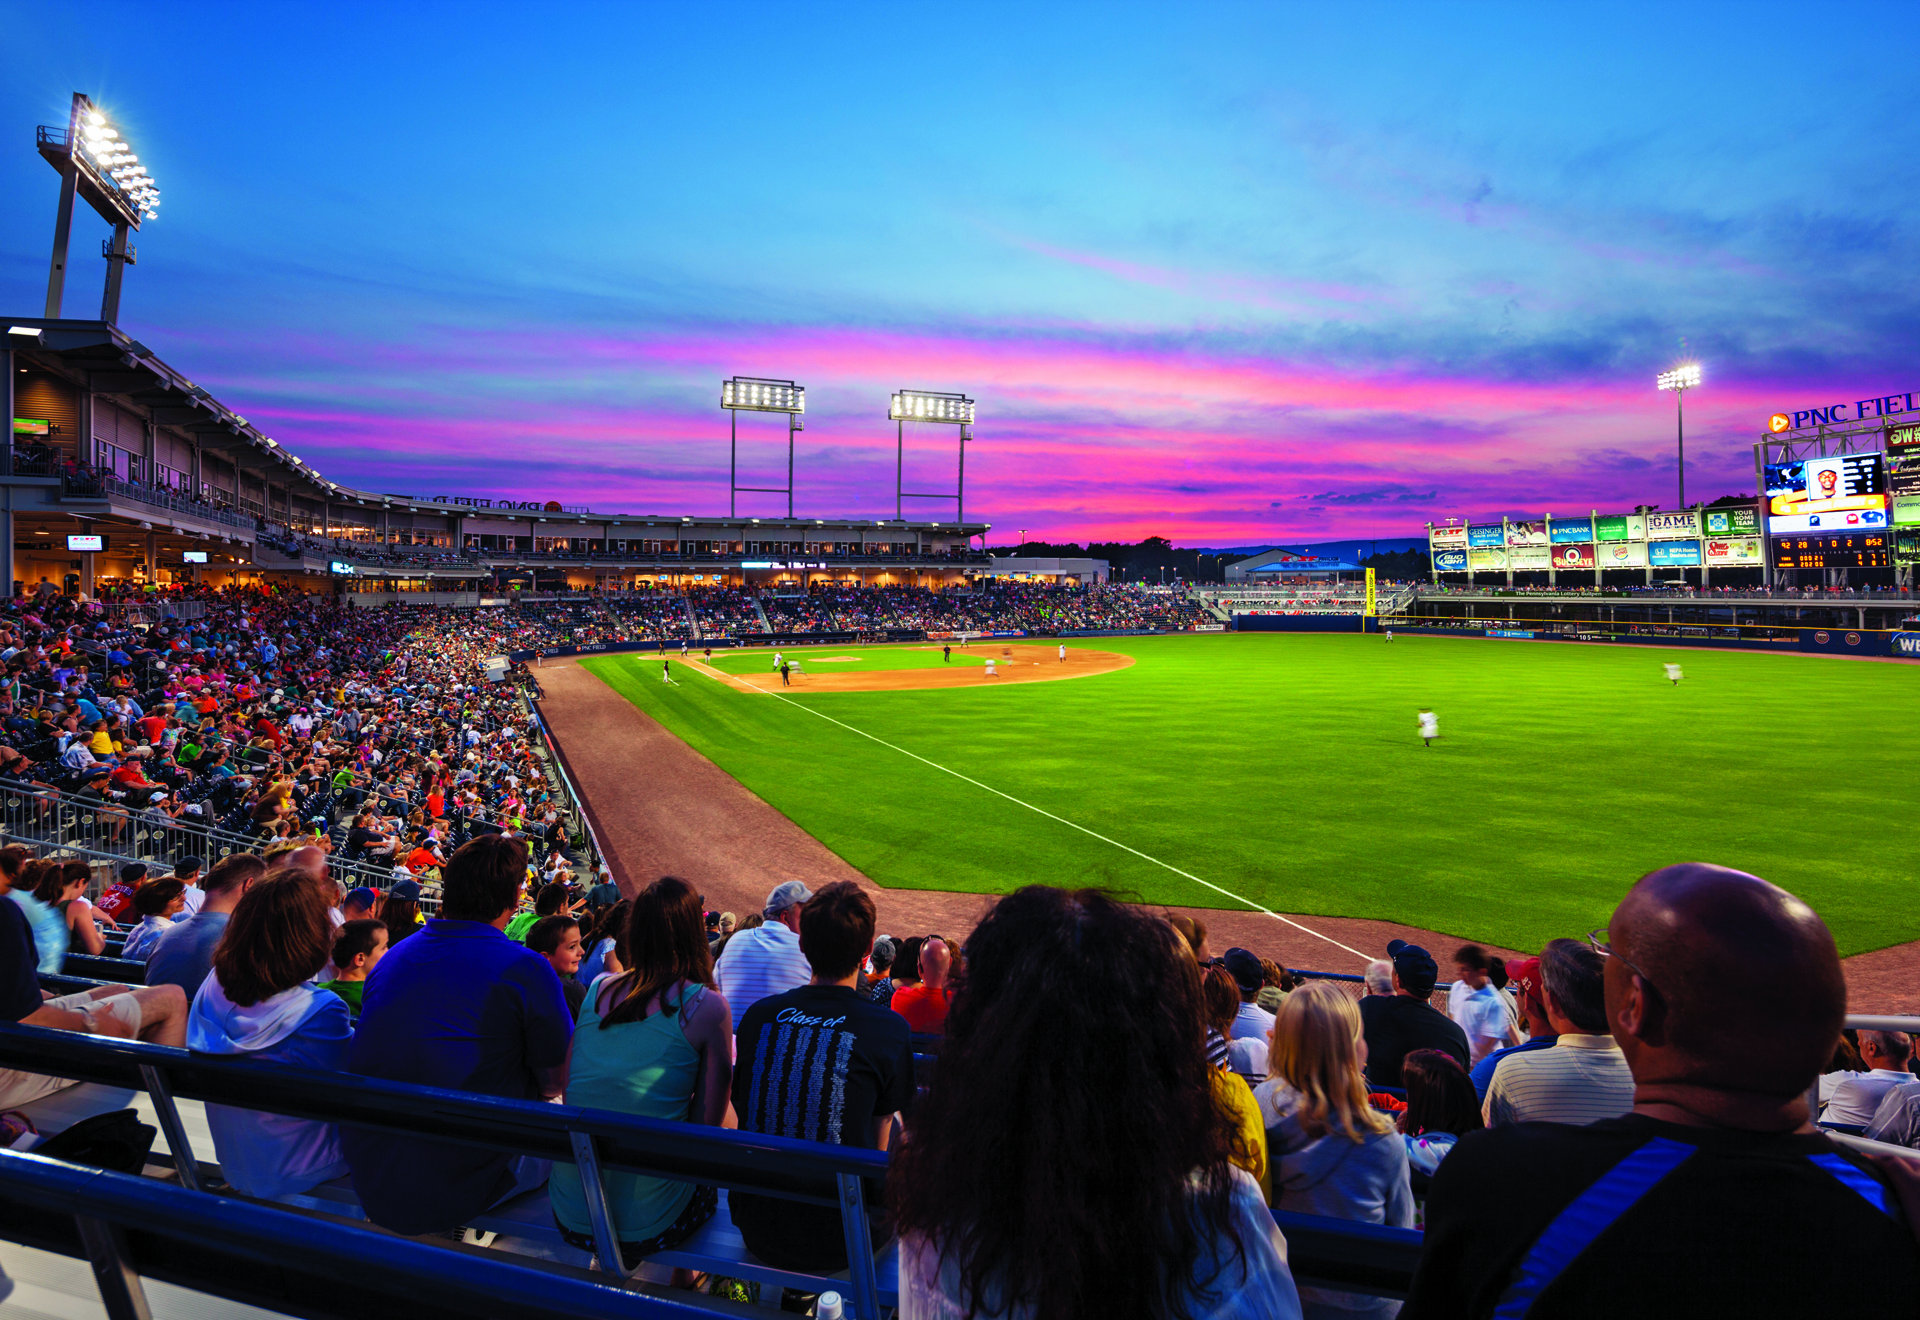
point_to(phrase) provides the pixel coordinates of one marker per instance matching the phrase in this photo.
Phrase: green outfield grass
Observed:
(1287, 769)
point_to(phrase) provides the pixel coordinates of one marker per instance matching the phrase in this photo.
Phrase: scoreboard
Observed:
(1852, 550)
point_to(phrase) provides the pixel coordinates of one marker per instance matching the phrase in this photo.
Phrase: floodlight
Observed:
(752, 394)
(926, 406)
(1680, 378)
(1679, 381)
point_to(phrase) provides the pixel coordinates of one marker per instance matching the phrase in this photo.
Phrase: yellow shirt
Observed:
(1236, 1103)
(100, 744)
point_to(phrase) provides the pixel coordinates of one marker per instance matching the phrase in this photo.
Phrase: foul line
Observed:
(1187, 875)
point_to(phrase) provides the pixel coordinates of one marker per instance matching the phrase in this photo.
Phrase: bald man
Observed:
(1716, 1195)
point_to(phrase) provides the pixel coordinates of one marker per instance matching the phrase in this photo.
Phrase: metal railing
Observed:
(89, 487)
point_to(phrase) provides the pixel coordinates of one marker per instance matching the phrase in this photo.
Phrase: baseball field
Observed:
(1287, 771)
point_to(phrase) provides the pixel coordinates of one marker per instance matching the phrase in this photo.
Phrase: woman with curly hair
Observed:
(1069, 1157)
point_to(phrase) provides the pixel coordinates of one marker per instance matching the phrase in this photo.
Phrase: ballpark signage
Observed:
(1903, 475)
(1674, 554)
(1482, 559)
(1530, 558)
(1450, 561)
(1729, 551)
(1835, 414)
(1572, 556)
(1487, 534)
(1621, 554)
(1571, 531)
(1527, 533)
(1684, 525)
(1620, 527)
(1447, 538)
(1735, 520)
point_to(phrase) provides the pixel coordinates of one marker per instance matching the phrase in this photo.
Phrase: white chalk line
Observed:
(1042, 811)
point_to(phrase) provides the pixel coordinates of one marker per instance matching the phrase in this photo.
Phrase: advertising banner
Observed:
(1906, 546)
(1450, 561)
(1674, 554)
(1447, 538)
(1572, 556)
(1850, 520)
(1621, 554)
(1570, 531)
(1903, 475)
(1735, 552)
(1487, 534)
(1487, 559)
(1906, 643)
(1733, 520)
(1681, 526)
(1530, 558)
(1620, 527)
(1531, 532)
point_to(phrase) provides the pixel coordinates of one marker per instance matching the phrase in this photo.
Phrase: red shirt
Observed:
(154, 726)
(924, 1007)
(116, 900)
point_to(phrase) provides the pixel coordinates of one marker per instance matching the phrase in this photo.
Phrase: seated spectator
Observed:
(604, 894)
(767, 959)
(187, 871)
(1846, 1062)
(1220, 1000)
(608, 933)
(183, 955)
(258, 1003)
(1441, 1108)
(1886, 1054)
(557, 939)
(880, 985)
(463, 1007)
(1584, 1077)
(157, 905)
(658, 1042)
(1379, 977)
(359, 905)
(1075, 1034)
(1525, 974)
(1714, 1196)
(1404, 1021)
(51, 937)
(819, 1063)
(402, 912)
(551, 900)
(358, 947)
(62, 887)
(1251, 1022)
(924, 1006)
(1332, 1152)
(116, 901)
(1479, 1008)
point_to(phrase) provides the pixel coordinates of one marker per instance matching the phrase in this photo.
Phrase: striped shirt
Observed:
(760, 962)
(1581, 1080)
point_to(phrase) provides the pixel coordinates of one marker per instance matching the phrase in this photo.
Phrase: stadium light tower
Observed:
(1680, 380)
(759, 394)
(98, 164)
(928, 406)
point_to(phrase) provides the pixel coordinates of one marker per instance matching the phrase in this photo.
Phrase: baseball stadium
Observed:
(499, 901)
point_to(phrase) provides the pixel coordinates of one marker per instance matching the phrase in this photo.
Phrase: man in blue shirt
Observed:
(1525, 975)
(458, 1006)
(183, 954)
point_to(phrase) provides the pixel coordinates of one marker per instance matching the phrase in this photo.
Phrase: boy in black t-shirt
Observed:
(820, 1063)
(1396, 1025)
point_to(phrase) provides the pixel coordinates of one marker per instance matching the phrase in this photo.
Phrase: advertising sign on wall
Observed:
(1571, 531)
(1674, 554)
(1531, 532)
(1684, 525)
(1735, 551)
(1620, 527)
(1487, 559)
(1572, 556)
(1906, 546)
(1850, 520)
(1621, 554)
(1903, 475)
(1450, 561)
(1734, 520)
(1447, 538)
(1530, 558)
(1487, 534)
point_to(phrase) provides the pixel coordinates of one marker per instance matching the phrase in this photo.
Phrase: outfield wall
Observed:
(1810, 641)
(1314, 623)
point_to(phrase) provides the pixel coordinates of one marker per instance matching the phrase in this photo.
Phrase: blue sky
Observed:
(1213, 272)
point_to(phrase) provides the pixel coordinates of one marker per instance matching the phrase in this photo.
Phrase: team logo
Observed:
(1821, 638)
(1779, 422)
(1853, 639)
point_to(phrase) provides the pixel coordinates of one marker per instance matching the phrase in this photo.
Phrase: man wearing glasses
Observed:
(1716, 1195)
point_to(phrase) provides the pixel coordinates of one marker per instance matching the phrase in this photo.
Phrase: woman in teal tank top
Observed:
(655, 1041)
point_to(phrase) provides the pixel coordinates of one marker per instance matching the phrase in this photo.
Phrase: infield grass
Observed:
(1287, 769)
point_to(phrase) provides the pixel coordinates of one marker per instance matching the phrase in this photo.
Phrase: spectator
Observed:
(183, 955)
(1251, 1022)
(1886, 1054)
(1194, 934)
(1379, 977)
(656, 1041)
(880, 989)
(116, 902)
(1441, 1108)
(1525, 974)
(906, 962)
(604, 894)
(1584, 1077)
(1333, 1153)
(1074, 1035)
(768, 959)
(157, 905)
(402, 912)
(924, 1006)
(1404, 1021)
(359, 905)
(1220, 1000)
(258, 1003)
(1714, 1196)
(358, 947)
(51, 937)
(551, 901)
(1474, 1003)
(819, 1063)
(557, 939)
(187, 871)
(62, 887)
(608, 933)
(463, 1007)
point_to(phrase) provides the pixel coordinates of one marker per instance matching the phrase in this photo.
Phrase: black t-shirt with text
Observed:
(1725, 1224)
(1397, 1025)
(818, 1063)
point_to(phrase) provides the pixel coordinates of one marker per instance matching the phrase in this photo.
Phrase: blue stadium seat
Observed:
(114, 971)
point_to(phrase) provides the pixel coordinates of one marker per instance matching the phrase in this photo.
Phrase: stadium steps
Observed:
(766, 625)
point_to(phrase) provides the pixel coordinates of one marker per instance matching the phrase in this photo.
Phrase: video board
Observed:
(1843, 492)
(1903, 475)
(1846, 550)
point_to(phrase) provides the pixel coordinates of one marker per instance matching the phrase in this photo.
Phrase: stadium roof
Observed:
(1291, 561)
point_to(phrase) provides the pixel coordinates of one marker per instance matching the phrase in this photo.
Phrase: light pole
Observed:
(97, 165)
(929, 406)
(1680, 380)
(759, 394)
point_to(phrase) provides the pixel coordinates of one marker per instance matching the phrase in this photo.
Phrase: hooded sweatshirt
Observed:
(271, 1155)
(1336, 1176)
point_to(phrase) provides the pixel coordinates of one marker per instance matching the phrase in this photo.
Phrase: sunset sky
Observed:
(1226, 274)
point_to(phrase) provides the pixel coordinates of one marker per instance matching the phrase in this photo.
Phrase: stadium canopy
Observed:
(1273, 564)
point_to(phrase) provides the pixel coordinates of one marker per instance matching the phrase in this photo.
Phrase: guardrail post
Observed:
(121, 1292)
(853, 1220)
(170, 1124)
(586, 1159)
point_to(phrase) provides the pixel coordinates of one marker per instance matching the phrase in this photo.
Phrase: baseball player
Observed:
(666, 667)
(1429, 727)
(990, 672)
(1673, 674)
(1063, 653)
